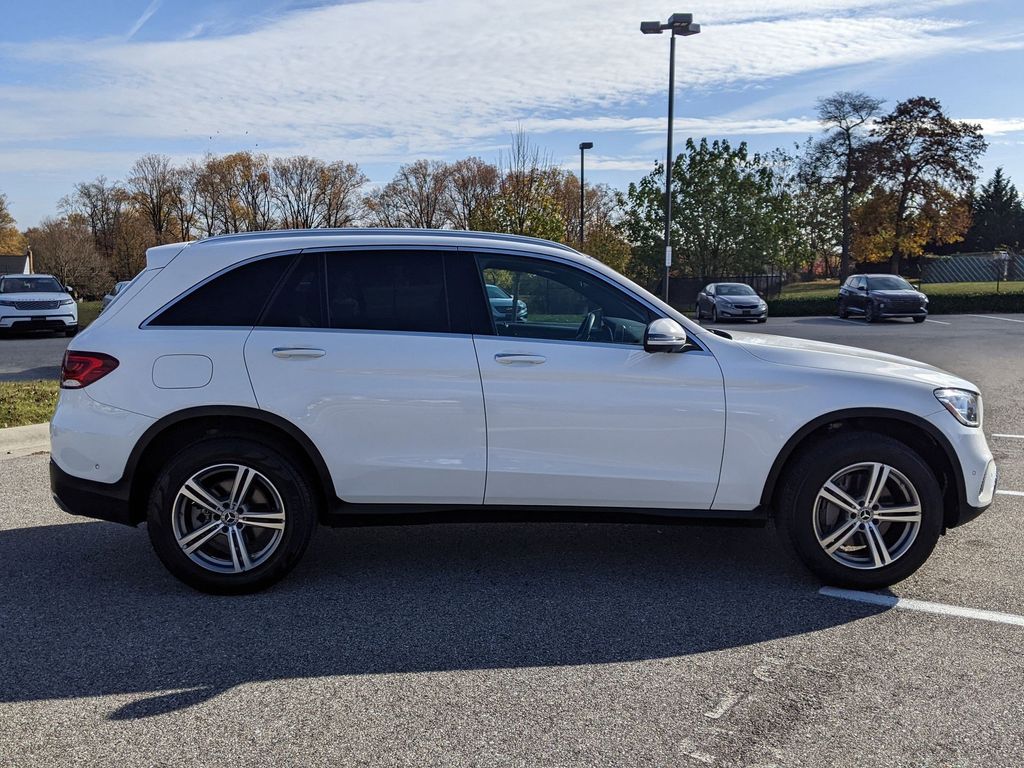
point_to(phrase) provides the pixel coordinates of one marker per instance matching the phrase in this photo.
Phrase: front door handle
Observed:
(298, 353)
(514, 358)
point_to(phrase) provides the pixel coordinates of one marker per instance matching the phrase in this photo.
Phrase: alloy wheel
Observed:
(867, 515)
(228, 518)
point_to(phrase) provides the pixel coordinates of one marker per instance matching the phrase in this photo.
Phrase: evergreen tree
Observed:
(998, 216)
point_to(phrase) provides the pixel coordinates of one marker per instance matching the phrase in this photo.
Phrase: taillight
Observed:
(80, 369)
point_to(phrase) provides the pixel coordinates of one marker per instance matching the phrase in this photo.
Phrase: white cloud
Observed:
(383, 79)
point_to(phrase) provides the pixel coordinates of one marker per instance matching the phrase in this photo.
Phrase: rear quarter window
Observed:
(233, 298)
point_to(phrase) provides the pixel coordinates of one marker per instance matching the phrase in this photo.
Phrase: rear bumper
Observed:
(87, 498)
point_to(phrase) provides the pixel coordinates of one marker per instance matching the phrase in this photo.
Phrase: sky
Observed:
(87, 87)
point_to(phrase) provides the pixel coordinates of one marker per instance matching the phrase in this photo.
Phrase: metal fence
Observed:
(972, 268)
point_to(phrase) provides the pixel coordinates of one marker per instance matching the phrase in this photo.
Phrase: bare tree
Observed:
(102, 204)
(839, 157)
(415, 197)
(340, 202)
(185, 199)
(255, 191)
(469, 197)
(296, 190)
(151, 184)
(65, 248)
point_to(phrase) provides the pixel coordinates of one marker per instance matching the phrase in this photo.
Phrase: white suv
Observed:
(243, 389)
(36, 302)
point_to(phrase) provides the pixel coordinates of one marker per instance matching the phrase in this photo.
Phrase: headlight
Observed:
(6, 303)
(963, 404)
(65, 302)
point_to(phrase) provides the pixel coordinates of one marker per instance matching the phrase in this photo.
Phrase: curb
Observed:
(23, 441)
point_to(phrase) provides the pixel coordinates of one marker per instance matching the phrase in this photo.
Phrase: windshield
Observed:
(888, 283)
(495, 292)
(30, 285)
(734, 289)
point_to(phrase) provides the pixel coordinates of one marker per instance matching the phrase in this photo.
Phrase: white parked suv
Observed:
(36, 302)
(243, 389)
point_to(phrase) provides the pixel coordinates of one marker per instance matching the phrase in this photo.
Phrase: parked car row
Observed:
(873, 297)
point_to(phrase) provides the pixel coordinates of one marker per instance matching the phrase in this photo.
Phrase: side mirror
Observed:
(68, 288)
(864, 288)
(664, 335)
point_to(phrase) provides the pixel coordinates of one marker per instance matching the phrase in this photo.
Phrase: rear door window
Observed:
(387, 291)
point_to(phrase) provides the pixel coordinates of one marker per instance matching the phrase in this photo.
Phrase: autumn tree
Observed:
(340, 188)
(924, 165)
(11, 240)
(838, 158)
(526, 202)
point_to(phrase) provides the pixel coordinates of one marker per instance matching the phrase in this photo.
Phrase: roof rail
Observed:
(452, 233)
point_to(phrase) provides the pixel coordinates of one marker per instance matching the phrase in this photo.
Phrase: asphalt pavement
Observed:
(31, 355)
(525, 645)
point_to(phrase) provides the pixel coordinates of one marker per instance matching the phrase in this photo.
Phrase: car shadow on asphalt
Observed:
(89, 611)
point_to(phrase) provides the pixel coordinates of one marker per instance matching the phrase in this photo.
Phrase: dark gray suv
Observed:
(875, 297)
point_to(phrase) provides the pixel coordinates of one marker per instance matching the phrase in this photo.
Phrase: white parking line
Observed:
(1010, 493)
(993, 317)
(1013, 437)
(890, 601)
(940, 322)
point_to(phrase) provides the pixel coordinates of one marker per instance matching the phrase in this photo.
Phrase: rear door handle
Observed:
(298, 353)
(514, 358)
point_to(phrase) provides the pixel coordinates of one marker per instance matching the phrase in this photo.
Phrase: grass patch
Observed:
(27, 402)
(829, 289)
(87, 312)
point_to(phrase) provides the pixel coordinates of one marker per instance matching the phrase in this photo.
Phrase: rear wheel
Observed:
(230, 515)
(861, 510)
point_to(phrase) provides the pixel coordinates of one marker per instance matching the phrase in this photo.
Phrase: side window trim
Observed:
(283, 281)
(293, 252)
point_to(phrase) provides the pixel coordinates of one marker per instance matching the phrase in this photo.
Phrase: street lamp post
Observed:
(678, 24)
(584, 146)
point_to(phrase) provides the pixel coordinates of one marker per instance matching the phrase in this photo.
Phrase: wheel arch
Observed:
(178, 429)
(914, 431)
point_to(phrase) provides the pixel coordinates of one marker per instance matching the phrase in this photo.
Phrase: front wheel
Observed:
(920, 319)
(870, 313)
(230, 515)
(843, 311)
(860, 510)
(714, 314)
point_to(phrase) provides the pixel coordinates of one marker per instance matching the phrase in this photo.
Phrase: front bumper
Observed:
(973, 460)
(48, 321)
(731, 313)
(903, 312)
(87, 498)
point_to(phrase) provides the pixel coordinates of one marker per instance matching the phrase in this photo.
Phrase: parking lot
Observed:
(528, 645)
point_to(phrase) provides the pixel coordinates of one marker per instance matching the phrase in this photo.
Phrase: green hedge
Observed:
(938, 304)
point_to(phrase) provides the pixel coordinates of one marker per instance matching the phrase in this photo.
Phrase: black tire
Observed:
(699, 311)
(714, 314)
(920, 319)
(762, 319)
(289, 479)
(870, 313)
(807, 474)
(843, 311)
(69, 332)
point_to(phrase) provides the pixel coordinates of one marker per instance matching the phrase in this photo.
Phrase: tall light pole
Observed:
(584, 146)
(677, 24)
